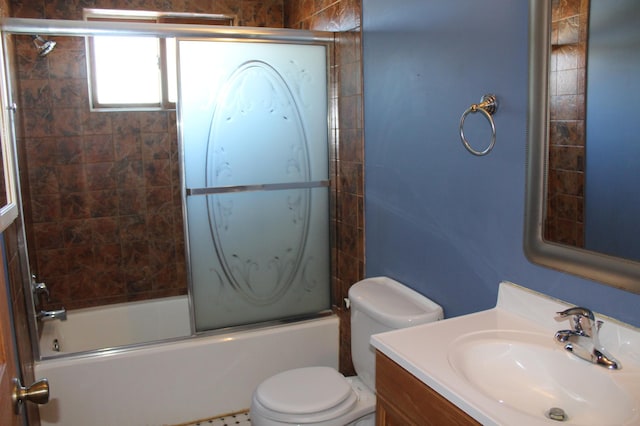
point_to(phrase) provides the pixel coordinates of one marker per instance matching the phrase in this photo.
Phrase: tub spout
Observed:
(60, 314)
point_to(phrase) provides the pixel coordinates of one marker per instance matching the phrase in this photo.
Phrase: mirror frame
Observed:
(614, 271)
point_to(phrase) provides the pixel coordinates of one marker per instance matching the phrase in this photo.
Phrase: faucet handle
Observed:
(578, 315)
(579, 311)
(41, 288)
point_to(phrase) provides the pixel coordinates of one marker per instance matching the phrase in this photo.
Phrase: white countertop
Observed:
(424, 351)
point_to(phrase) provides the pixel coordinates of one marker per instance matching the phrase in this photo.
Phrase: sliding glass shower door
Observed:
(253, 130)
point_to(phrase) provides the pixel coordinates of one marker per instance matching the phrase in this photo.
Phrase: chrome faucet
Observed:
(583, 339)
(60, 314)
(40, 291)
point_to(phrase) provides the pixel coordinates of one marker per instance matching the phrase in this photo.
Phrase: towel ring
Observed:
(488, 106)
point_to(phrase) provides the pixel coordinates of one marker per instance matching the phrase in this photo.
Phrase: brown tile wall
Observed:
(343, 17)
(250, 13)
(565, 201)
(101, 189)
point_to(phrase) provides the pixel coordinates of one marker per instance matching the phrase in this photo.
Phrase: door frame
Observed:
(9, 361)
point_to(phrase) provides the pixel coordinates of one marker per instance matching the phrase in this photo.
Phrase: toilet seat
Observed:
(305, 395)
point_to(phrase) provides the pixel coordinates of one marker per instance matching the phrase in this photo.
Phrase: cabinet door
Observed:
(405, 400)
(388, 415)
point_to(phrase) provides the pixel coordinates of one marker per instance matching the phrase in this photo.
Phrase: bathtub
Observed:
(116, 325)
(175, 382)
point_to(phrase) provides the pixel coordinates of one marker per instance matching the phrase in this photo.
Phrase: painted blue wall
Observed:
(443, 221)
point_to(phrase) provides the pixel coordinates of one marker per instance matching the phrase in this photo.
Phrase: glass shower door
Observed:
(253, 127)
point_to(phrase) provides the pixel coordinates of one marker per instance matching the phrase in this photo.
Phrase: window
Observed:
(136, 72)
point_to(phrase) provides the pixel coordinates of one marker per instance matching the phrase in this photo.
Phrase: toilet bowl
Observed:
(311, 396)
(321, 396)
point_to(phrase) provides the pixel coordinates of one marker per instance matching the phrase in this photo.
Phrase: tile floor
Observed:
(233, 419)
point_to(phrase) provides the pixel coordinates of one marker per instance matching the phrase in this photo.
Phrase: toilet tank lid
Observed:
(392, 303)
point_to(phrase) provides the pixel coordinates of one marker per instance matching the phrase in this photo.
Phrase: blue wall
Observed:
(443, 221)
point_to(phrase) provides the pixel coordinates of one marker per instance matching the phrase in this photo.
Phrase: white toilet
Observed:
(321, 396)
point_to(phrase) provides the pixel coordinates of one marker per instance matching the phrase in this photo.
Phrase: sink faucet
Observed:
(60, 314)
(583, 339)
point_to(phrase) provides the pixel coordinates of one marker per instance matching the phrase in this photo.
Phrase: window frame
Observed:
(117, 15)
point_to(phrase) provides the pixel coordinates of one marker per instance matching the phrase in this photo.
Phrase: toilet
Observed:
(321, 396)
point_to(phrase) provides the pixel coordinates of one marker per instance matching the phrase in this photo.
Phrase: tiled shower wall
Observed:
(101, 189)
(565, 202)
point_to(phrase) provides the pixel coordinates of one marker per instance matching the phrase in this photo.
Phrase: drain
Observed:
(557, 414)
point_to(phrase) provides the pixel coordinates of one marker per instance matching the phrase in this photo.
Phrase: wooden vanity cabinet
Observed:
(403, 400)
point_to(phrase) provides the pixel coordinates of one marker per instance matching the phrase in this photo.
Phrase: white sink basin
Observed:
(530, 373)
(503, 366)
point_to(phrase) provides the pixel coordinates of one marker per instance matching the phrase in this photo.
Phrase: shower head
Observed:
(44, 46)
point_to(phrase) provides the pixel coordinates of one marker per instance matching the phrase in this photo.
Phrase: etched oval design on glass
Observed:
(257, 136)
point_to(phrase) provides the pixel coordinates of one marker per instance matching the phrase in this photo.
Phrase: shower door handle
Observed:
(38, 393)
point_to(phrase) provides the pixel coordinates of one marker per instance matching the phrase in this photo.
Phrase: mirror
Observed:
(597, 262)
(592, 199)
(8, 205)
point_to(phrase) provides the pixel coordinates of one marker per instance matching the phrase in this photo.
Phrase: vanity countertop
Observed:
(444, 355)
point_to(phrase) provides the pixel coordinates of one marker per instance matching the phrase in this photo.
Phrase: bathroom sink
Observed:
(530, 373)
(502, 366)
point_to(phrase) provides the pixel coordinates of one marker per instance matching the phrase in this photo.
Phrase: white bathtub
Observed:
(176, 382)
(117, 325)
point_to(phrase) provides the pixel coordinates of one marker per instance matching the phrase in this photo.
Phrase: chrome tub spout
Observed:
(60, 314)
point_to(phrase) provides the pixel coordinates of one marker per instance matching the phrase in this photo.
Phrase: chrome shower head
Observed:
(44, 46)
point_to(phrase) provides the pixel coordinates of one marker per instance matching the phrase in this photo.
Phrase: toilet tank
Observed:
(382, 304)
